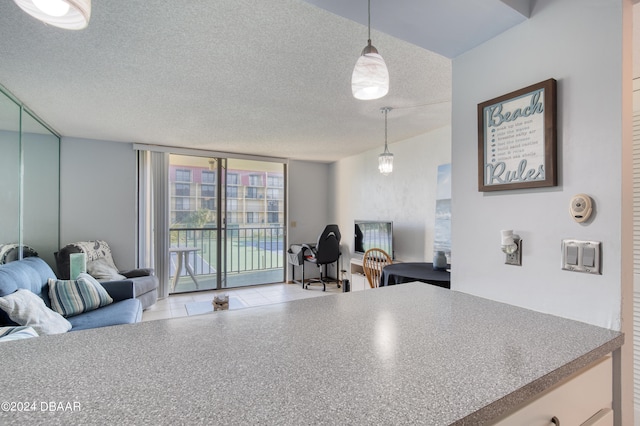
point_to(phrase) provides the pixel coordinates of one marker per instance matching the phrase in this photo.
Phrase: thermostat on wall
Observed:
(581, 207)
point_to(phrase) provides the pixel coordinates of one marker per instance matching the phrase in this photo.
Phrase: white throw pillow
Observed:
(26, 308)
(102, 270)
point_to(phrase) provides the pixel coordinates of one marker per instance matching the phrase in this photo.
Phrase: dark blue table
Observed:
(399, 273)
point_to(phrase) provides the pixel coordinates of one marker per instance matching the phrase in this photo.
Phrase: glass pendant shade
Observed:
(370, 78)
(385, 162)
(66, 14)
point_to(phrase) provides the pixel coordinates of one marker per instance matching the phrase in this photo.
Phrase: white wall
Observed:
(308, 191)
(98, 195)
(407, 196)
(308, 207)
(559, 41)
(585, 45)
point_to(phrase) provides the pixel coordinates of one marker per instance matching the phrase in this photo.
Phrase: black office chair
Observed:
(326, 251)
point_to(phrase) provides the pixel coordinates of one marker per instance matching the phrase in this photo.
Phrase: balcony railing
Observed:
(247, 249)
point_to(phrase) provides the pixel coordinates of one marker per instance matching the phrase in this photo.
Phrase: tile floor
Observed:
(173, 306)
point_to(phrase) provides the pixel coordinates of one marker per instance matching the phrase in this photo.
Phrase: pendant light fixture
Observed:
(385, 160)
(370, 78)
(66, 14)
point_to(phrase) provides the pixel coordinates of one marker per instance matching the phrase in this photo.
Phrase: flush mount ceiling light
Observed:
(370, 78)
(385, 160)
(67, 14)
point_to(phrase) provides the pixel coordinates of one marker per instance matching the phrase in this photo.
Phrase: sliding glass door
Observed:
(255, 222)
(226, 223)
(196, 223)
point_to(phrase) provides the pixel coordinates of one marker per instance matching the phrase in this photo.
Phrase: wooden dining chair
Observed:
(372, 262)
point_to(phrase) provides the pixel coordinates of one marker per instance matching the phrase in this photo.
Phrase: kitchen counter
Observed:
(405, 354)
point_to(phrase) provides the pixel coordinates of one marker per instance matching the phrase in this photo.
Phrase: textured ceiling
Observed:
(255, 77)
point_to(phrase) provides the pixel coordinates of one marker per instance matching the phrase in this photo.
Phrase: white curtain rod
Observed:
(205, 153)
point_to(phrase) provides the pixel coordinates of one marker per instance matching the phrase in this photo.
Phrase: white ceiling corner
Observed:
(523, 7)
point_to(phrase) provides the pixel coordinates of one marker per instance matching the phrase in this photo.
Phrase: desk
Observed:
(399, 273)
(182, 253)
(295, 256)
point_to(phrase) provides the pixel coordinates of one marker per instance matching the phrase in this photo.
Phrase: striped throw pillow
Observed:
(16, 333)
(73, 297)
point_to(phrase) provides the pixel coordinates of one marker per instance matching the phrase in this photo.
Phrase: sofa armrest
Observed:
(134, 273)
(119, 290)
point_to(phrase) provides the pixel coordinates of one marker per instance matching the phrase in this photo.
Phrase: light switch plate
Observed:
(589, 256)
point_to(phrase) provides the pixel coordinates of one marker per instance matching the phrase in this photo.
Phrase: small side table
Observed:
(182, 253)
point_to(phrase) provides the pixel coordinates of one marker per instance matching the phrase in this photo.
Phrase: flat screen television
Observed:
(373, 234)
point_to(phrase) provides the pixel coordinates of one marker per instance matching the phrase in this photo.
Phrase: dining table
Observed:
(404, 272)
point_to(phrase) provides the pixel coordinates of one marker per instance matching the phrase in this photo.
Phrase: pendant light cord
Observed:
(369, 22)
(385, 110)
(385, 130)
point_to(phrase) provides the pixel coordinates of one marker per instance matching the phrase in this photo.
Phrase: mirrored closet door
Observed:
(29, 180)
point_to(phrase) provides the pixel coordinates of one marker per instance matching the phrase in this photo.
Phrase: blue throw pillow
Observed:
(73, 297)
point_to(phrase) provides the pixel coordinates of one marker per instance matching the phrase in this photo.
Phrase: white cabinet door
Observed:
(575, 401)
(358, 282)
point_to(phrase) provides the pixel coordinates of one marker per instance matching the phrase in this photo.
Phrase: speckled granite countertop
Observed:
(406, 354)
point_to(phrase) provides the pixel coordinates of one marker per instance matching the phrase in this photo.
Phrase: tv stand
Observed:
(358, 280)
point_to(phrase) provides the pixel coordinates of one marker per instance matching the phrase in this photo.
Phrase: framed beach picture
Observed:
(517, 139)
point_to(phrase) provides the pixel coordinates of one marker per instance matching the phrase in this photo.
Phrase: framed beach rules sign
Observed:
(517, 139)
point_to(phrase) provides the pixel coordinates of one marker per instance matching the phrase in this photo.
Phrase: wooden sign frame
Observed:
(517, 139)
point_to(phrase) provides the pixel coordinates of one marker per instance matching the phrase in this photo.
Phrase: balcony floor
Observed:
(208, 282)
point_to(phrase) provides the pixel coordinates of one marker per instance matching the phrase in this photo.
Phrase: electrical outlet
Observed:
(515, 258)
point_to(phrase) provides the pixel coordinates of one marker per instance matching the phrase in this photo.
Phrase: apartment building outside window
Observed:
(275, 181)
(232, 192)
(255, 180)
(208, 190)
(208, 204)
(183, 189)
(183, 204)
(252, 192)
(273, 194)
(208, 177)
(183, 175)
